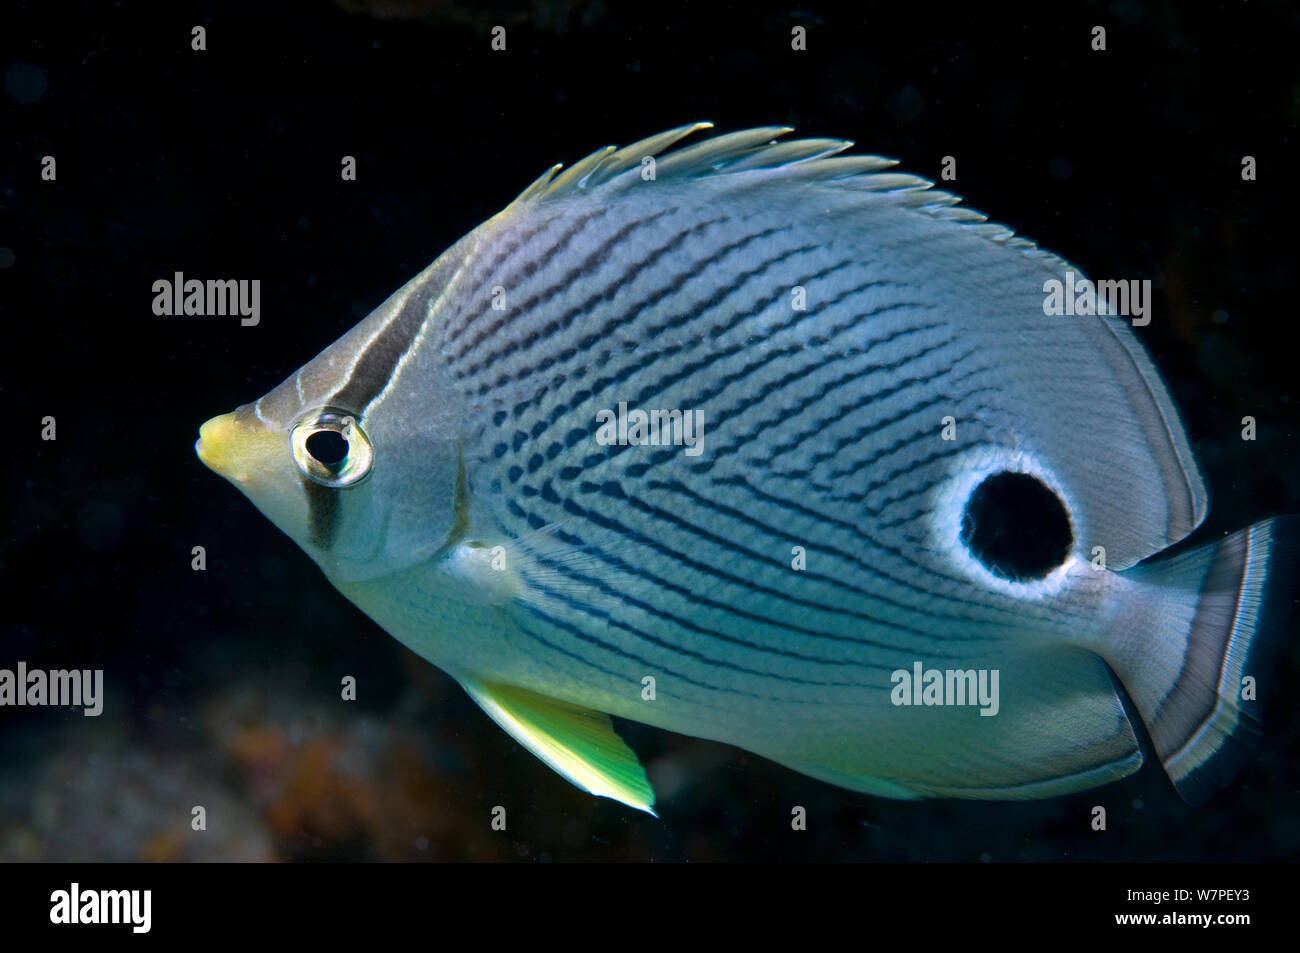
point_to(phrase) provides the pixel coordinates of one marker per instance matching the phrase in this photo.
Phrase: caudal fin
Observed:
(1201, 657)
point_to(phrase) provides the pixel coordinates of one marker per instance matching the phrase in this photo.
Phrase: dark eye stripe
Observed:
(323, 513)
(374, 368)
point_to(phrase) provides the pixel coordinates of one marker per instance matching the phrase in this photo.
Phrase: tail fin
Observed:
(1210, 619)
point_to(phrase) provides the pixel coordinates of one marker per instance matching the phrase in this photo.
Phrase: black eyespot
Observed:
(1016, 526)
(328, 447)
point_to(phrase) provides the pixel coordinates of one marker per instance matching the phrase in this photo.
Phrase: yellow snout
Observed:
(239, 446)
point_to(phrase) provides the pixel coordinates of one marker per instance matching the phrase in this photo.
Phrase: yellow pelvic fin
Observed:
(579, 744)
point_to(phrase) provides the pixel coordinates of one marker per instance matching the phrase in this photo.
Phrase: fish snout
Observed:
(237, 445)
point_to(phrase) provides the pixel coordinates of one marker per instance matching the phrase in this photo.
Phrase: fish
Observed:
(755, 441)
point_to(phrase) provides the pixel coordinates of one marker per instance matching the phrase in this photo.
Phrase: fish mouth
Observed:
(237, 445)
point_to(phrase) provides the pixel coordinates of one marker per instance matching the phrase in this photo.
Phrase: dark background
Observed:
(223, 686)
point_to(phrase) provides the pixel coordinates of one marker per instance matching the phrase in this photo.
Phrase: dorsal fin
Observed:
(755, 152)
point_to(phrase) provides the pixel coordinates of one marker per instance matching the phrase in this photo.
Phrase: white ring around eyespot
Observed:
(968, 471)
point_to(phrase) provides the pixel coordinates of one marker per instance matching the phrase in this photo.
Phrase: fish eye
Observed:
(1016, 526)
(331, 449)
(327, 447)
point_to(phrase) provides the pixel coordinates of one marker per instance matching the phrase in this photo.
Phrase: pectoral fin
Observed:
(579, 744)
(540, 565)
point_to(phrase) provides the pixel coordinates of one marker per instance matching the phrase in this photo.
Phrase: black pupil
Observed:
(328, 447)
(1016, 526)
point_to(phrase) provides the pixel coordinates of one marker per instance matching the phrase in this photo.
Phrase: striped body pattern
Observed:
(859, 358)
